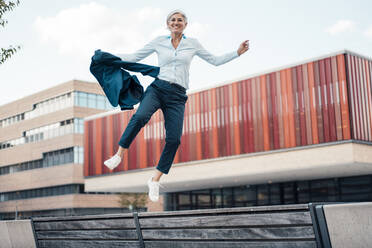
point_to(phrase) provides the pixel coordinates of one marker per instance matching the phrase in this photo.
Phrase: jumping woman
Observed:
(167, 91)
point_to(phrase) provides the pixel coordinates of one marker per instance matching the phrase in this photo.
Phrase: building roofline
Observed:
(245, 77)
(70, 82)
(331, 54)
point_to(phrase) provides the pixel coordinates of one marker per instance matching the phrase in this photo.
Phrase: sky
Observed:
(58, 38)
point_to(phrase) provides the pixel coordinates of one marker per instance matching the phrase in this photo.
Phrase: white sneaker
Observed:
(113, 162)
(153, 190)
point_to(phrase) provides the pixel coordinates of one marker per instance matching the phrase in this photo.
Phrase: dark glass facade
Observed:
(346, 189)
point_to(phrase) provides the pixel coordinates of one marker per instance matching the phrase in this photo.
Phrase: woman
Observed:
(168, 91)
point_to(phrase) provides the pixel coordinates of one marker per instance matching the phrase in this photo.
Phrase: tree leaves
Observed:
(5, 6)
(132, 200)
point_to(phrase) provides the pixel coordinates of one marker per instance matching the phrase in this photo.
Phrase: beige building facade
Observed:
(41, 153)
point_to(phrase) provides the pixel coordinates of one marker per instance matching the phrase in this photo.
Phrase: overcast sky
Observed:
(58, 38)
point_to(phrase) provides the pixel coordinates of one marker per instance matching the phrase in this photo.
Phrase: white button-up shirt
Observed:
(175, 63)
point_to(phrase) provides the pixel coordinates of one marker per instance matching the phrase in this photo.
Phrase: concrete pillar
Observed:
(16, 234)
(349, 225)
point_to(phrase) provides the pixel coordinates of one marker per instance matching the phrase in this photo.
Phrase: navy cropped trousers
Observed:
(171, 99)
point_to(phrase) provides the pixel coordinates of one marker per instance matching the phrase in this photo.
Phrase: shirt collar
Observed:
(183, 36)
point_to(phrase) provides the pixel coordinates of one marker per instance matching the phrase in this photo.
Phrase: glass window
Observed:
(275, 197)
(101, 104)
(92, 101)
(83, 99)
(56, 158)
(263, 194)
(240, 196)
(81, 155)
(62, 157)
(227, 197)
(289, 193)
(50, 160)
(203, 198)
(70, 158)
(303, 192)
(323, 190)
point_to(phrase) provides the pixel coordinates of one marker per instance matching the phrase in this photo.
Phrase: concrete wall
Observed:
(16, 234)
(349, 225)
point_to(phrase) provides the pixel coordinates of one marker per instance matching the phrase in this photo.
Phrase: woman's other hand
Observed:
(243, 47)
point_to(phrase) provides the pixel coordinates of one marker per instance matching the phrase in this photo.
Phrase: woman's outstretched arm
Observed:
(140, 54)
(219, 60)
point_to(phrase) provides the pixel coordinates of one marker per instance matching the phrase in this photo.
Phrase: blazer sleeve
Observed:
(212, 59)
(140, 54)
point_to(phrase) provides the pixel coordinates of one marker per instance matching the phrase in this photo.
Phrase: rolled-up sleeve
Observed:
(212, 59)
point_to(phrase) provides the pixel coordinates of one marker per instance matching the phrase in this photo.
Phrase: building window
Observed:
(347, 189)
(53, 158)
(50, 131)
(76, 98)
(42, 192)
(90, 100)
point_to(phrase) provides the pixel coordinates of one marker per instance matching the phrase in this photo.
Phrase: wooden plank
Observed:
(87, 224)
(220, 244)
(87, 244)
(232, 233)
(299, 218)
(258, 209)
(88, 234)
(86, 217)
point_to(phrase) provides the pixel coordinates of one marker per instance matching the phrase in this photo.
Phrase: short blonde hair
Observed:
(177, 11)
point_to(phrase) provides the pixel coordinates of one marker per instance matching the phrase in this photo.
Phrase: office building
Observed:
(300, 133)
(42, 153)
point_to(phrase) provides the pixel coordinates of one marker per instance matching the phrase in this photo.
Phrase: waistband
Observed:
(175, 85)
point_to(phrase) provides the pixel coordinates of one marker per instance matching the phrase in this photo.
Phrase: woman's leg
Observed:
(157, 175)
(173, 122)
(149, 104)
(120, 151)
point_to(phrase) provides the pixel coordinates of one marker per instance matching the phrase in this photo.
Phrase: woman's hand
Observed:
(243, 47)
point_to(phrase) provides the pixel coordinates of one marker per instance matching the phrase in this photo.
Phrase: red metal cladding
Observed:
(360, 96)
(324, 100)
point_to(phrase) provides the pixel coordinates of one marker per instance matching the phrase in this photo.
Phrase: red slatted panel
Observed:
(309, 136)
(336, 98)
(321, 101)
(359, 83)
(312, 97)
(367, 66)
(331, 108)
(250, 123)
(274, 101)
(270, 112)
(280, 112)
(325, 101)
(341, 68)
(291, 109)
(283, 78)
(296, 107)
(301, 105)
(265, 120)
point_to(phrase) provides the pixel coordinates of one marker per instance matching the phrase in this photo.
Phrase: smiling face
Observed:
(176, 23)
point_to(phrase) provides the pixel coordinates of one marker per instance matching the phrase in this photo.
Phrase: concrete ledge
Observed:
(16, 234)
(349, 225)
(338, 159)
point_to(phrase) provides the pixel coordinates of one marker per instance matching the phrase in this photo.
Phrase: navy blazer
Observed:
(120, 87)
